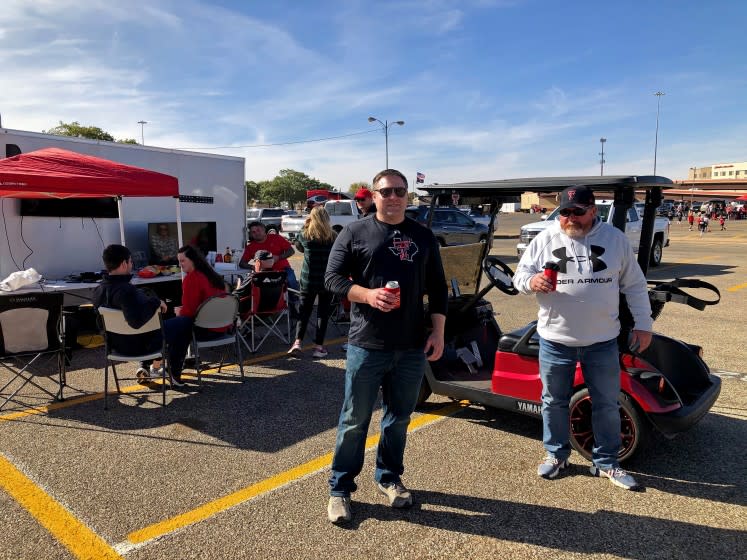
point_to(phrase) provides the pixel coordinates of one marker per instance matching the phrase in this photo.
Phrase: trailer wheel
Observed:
(634, 429)
(656, 252)
(273, 230)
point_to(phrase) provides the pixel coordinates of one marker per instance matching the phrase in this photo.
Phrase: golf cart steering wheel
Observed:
(499, 274)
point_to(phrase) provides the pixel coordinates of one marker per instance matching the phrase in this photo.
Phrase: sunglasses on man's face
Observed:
(387, 191)
(565, 212)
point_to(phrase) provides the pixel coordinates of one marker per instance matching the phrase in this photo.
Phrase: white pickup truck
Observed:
(605, 211)
(341, 213)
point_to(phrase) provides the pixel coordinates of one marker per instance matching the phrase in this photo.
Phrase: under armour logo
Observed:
(404, 249)
(596, 251)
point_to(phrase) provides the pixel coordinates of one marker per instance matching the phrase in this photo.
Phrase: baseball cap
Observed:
(262, 255)
(363, 193)
(573, 197)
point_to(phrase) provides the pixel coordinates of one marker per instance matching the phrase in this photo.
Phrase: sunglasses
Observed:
(359, 199)
(565, 212)
(386, 192)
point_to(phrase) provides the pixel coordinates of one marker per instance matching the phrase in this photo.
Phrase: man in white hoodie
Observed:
(578, 321)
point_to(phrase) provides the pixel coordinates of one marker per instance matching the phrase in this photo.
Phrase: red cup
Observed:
(551, 273)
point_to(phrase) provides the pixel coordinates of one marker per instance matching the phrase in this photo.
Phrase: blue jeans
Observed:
(178, 334)
(290, 276)
(601, 369)
(399, 374)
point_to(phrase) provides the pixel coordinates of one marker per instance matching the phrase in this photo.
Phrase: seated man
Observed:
(117, 292)
(280, 249)
(163, 246)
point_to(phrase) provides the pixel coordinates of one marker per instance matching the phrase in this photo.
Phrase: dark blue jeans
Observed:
(601, 369)
(398, 374)
(178, 334)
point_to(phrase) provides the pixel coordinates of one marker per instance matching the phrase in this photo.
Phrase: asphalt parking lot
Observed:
(239, 470)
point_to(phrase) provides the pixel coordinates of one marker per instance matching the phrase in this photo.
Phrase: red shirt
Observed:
(195, 289)
(274, 243)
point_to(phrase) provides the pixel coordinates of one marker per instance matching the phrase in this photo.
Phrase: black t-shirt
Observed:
(371, 253)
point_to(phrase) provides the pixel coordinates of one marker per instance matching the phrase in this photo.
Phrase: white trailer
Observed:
(211, 189)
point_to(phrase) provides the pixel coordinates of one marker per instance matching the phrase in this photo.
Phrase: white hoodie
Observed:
(594, 269)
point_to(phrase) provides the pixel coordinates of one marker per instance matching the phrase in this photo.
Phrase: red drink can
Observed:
(551, 273)
(393, 288)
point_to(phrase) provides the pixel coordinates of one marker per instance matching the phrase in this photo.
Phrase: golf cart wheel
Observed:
(424, 393)
(656, 253)
(633, 428)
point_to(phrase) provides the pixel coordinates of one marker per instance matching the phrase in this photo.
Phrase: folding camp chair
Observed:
(263, 304)
(215, 313)
(31, 327)
(114, 323)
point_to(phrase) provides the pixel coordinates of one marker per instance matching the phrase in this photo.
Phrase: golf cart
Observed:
(667, 388)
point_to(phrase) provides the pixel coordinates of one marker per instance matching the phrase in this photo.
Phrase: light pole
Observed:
(142, 131)
(601, 161)
(658, 95)
(385, 125)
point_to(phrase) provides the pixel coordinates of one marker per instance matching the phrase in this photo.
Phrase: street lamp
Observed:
(601, 161)
(142, 131)
(385, 125)
(658, 95)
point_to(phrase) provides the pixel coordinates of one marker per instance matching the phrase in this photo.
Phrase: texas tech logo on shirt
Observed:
(404, 248)
(596, 252)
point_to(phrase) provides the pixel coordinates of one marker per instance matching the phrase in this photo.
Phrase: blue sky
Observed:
(487, 89)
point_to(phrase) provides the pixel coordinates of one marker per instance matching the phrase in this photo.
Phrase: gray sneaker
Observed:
(338, 509)
(618, 477)
(397, 494)
(551, 466)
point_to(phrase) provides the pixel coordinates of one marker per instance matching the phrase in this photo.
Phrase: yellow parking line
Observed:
(79, 539)
(737, 287)
(269, 484)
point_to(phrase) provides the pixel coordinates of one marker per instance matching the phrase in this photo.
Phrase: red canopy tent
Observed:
(57, 173)
(742, 198)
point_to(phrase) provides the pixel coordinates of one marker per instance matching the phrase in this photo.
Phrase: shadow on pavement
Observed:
(687, 465)
(600, 532)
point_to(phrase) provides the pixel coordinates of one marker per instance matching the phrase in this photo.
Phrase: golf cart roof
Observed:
(515, 187)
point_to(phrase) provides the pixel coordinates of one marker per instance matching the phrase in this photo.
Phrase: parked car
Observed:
(341, 213)
(270, 218)
(450, 226)
(605, 211)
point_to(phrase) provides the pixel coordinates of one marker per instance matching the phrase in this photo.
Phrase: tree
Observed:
(359, 185)
(252, 191)
(77, 130)
(289, 186)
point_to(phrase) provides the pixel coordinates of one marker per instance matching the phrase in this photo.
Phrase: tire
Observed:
(273, 230)
(338, 229)
(425, 392)
(656, 253)
(442, 242)
(483, 239)
(634, 428)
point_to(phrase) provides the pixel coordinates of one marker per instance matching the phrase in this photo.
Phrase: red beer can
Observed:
(551, 273)
(393, 288)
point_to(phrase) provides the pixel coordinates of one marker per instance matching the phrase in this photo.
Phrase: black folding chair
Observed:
(263, 305)
(31, 329)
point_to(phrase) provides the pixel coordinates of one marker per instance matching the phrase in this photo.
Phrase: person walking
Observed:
(690, 219)
(388, 342)
(578, 322)
(315, 242)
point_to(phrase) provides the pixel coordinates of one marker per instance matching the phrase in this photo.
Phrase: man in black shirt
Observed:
(388, 343)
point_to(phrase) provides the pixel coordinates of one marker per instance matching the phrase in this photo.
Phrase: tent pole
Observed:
(121, 220)
(179, 226)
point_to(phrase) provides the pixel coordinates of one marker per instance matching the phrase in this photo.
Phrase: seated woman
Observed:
(200, 283)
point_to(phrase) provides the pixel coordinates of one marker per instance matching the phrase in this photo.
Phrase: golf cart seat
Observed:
(523, 341)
